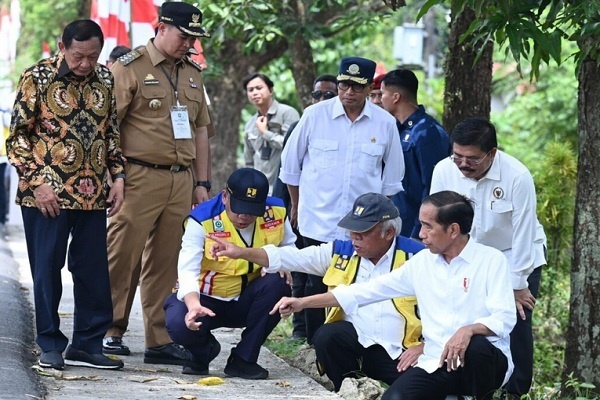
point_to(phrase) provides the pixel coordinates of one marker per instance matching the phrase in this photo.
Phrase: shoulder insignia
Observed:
(130, 57)
(194, 63)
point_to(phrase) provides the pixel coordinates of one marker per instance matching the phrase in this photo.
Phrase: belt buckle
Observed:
(175, 168)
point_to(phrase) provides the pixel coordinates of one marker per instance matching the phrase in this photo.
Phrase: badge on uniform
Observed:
(155, 104)
(192, 84)
(150, 80)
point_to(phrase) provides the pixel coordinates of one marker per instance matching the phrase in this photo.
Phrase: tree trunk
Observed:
(582, 354)
(228, 98)
(303, 69)
(468, 85)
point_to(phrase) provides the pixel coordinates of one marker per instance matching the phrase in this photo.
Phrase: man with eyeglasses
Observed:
(324, 88)
(337, 153)
(503, 192)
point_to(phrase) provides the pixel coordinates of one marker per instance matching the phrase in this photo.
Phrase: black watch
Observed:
(205, 184)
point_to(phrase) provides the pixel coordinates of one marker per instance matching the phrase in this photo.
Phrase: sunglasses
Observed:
(317, 94)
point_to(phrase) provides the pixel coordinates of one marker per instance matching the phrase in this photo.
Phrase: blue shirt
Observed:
(424, 143)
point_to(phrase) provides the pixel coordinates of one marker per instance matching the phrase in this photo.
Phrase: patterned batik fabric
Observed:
(64, 132)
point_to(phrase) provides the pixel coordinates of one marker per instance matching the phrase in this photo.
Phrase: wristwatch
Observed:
(205, 184)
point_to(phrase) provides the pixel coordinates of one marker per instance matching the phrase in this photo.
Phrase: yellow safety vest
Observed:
(342, 271)
(227, 278)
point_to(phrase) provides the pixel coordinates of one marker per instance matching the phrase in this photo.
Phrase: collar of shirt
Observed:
(412, 120)
(338, 109)
(466, 255)
(273, 108)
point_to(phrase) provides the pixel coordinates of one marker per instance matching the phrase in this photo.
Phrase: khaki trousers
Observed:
(144, 239)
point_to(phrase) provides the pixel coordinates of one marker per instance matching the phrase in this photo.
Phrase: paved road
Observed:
(137, 380)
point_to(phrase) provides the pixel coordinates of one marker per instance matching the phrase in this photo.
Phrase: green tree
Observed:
(248, 35)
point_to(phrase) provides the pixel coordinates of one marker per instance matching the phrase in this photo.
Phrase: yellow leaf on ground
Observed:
(283, 383)
(188, 397)
(211, 381)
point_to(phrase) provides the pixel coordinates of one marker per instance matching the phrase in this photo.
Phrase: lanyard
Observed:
(173, 85)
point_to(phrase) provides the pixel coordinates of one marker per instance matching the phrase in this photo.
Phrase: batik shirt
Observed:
(64, 132)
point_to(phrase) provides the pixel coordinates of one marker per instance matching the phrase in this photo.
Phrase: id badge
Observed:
(181, 122)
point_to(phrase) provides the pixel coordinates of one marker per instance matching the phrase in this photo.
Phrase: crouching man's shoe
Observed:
(52, 359)
(172, 354)
(114, 345)
(193, 367)
(81, 358)
(244, 369)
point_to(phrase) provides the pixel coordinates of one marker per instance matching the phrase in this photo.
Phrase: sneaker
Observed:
(114, 345)
(172, 354)
(52, 359)
(80, 358)
(244, 369)
(198, 368)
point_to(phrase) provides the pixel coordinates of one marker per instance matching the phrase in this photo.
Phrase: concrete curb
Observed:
(17, 380)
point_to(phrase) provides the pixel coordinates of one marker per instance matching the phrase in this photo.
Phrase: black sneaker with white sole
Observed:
(81, 358)
(52, 359)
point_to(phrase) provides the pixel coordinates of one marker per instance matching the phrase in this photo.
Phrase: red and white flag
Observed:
(125, 22)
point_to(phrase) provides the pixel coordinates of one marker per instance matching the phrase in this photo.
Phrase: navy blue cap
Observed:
(369, 210)
(184, 16)
(248, 190)
(357, 69)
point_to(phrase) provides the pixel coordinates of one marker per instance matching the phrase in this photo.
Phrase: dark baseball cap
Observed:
(369, 210)
(184, 16)
(248, 190)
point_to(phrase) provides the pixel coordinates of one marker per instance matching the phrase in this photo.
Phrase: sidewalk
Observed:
(146, 381)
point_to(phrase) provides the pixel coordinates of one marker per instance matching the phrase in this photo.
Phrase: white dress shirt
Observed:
(378, 323)
(505, 211)
(473, 288)
(334, 160)
(192, 253)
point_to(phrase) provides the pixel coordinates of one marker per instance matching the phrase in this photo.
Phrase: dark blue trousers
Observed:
(521, 344)
(47, 248)
(483, 373)
(250, 311)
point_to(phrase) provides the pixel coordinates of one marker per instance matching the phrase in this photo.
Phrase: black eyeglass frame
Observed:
(326, 94)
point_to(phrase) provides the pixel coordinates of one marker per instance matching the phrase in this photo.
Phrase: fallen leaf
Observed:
(142, 379)
(180, 382)
(81, 378)
(283, 384)
(188, 397)
(211, 381)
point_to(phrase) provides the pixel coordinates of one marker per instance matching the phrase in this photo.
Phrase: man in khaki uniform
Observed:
(163, 118)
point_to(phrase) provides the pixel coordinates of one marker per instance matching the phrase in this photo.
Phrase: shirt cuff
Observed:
(274, 258)
(289, 178)
(184, 289)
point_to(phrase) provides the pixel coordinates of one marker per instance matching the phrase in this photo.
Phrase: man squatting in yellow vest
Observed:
(380, 340)
(227, 292)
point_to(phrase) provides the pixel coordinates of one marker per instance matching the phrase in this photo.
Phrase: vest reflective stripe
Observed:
(343, 269)
(227, 278)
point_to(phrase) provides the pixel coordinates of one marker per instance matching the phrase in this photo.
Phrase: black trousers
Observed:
(483, 373)
(250, 311)
(47, 247)
(341, 355)
(313, 317)
(521, 344)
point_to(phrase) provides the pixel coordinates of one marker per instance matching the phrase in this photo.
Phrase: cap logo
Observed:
(195, 21)
(251, 192)
(353, 69)
(386, 216)
(358, 211)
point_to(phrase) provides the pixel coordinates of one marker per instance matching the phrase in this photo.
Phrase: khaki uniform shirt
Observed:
(144, 99)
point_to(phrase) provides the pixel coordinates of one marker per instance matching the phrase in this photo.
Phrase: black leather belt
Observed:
(172, 168)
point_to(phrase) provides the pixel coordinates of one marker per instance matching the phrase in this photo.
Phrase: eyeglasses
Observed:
(317, 94)
(356, 87)
(467, 160)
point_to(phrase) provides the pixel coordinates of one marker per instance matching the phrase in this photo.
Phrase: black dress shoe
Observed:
(201, 368)
(244, 369)
(172, 354)
(114, 345)
(52, 359)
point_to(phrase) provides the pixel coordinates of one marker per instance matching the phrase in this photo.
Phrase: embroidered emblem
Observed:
(353, 69)
(358, 211)
(155, 104)
(251, 193)
(341, 263)
(498, 193)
